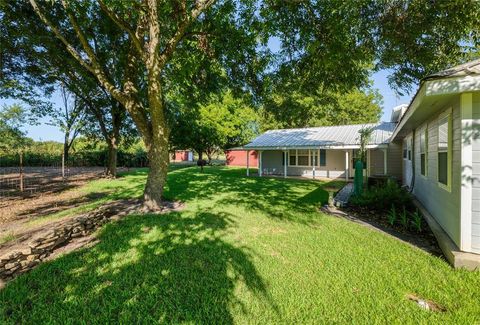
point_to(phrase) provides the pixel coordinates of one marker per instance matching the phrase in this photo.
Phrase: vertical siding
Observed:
(239, 158)
(394, 160)
(476, 174)
(376, 162)
(444, 205)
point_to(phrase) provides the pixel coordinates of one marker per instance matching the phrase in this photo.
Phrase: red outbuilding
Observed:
(239, 158)
(182, 155)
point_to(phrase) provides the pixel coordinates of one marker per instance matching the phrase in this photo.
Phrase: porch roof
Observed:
(334, 137)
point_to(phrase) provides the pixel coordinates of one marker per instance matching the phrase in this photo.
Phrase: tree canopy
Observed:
(221, 123)
(297, 110)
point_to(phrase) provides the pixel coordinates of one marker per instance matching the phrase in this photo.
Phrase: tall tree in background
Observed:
(297, 110)
(12, 138)
(34, 64)
(222, 123)
(69, 118)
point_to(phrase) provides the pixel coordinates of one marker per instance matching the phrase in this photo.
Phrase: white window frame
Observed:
(448, 114)
(424, 151)
(294, 153)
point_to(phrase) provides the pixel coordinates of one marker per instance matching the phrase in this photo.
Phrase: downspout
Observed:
(412, 183)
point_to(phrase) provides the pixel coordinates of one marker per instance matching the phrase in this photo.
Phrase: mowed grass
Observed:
(245, 250)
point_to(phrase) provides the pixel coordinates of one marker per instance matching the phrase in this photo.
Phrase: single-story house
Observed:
(432, 145)
(241, 158)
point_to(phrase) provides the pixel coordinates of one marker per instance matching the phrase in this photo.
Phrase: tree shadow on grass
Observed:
(285, 199)
(147, 268)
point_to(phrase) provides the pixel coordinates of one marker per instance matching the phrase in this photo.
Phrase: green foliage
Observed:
(382, 197)
(417, 221)
(334, 44)
(292, 108)
(392, 215)
(84, 154)
(365, 135)
(404, 218)
(12, 138)
(221, 123)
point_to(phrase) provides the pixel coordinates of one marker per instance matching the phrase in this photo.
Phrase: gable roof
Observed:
(472, 67)
(326, 137)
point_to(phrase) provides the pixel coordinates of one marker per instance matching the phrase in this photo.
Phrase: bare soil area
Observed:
(46, 193)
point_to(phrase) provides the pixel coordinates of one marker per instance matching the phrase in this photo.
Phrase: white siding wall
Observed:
(394, 160)
(335, 165)
(444, 205)
(476, 174)
(376, 162)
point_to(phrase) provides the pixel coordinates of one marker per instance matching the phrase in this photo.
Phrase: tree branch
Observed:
(59, 35)
(173, 42)
(125, 26)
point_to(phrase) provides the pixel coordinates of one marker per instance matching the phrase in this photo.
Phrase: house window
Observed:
(323, 157)
(292, 158)
(405, 149)
(409, 149)
(307, 158)
(444, 146)
(313, 157)
(302, 157)
(424, 152)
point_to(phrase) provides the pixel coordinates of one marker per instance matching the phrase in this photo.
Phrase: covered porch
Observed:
(319, 162)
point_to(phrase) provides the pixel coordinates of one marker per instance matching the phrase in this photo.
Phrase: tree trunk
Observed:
(112, 158)
(200, 155)
(66, 147)
(157, 175)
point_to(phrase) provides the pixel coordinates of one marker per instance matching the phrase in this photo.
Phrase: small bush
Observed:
(392, 215)
(404, 218)
(417, 221)
(381, 197)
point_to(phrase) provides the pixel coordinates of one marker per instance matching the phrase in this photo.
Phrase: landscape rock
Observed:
(15, 262)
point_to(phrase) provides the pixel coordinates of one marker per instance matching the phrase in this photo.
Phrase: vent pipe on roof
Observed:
(397, 113)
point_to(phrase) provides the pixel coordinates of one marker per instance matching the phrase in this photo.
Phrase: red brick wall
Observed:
(239, 158)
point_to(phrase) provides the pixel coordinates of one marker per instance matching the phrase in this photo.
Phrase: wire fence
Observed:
(23, 181)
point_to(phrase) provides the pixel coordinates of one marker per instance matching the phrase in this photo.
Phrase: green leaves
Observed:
(12, 138)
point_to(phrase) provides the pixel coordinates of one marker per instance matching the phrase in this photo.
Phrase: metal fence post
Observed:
(21, 171)
(63, 166)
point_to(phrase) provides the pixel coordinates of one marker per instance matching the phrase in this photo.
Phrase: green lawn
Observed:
(245, 250)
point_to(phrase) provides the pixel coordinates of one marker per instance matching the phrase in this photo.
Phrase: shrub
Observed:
(381, 197)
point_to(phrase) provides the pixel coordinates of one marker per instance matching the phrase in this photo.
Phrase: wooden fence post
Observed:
(21, 171)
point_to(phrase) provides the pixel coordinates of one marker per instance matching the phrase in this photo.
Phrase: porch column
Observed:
(260, 168)
(384, 161)
(314, 161)
(248, 162)
(285, 164)
(369, 165)
(347, 167)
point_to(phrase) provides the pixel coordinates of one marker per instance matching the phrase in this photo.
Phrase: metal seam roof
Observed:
(342, 135)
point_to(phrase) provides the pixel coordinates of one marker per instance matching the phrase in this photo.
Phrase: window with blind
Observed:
(423, 152)
(444, 145)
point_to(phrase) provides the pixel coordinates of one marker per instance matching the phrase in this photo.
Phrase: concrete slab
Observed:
(342, 197)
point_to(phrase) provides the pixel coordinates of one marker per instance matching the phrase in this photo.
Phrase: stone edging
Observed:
(26, 257)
